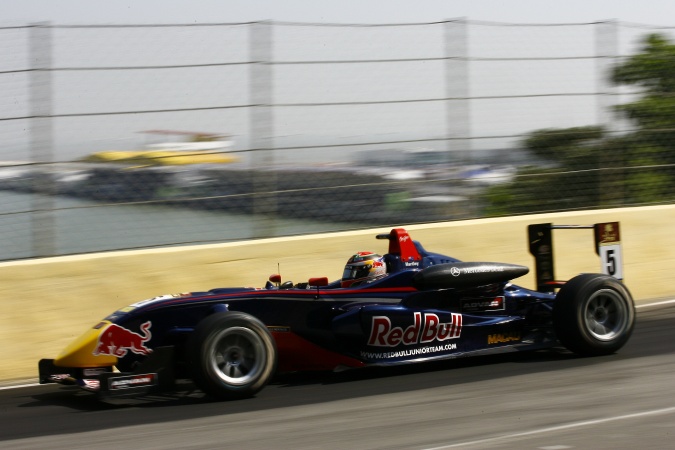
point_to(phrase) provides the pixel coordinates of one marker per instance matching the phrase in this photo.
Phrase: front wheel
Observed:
(231, 355)
(593, 315)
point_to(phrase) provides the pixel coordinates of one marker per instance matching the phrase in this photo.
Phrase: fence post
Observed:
(41, 140)
(263, 173)
(457, 89)
(611, 180)
(458, 117)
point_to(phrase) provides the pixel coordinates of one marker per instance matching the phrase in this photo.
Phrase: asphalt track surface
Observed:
(549, 400)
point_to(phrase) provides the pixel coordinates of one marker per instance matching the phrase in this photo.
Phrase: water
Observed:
(81, 226)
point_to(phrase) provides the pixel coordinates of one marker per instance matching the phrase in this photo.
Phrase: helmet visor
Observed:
(356, 272)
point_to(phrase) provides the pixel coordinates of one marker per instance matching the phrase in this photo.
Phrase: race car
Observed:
(408, 305)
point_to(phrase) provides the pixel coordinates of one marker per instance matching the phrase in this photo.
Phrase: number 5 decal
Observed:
(608, 245)
(610, 256)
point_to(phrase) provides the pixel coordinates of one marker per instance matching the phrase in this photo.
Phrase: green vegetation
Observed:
(587, 167)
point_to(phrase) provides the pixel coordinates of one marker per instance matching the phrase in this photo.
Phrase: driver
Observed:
(363, 267)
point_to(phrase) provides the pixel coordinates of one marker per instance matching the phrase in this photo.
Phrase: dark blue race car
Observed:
(406, 306)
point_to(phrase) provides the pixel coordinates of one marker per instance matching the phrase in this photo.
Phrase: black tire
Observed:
(593, 315)
(231, 355)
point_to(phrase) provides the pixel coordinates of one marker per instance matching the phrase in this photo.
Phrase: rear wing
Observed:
(607, 246)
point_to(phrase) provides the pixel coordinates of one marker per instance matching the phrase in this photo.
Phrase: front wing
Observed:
(155, 374)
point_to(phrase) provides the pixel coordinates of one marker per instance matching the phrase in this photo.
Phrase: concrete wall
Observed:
(48, 302)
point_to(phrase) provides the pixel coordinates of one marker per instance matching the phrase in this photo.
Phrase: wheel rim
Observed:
(606, 315)
(237, 355)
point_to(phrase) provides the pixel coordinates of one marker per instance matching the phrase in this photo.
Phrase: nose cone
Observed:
(82, 351)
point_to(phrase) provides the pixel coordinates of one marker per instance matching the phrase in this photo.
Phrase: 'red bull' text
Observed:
(425, 329)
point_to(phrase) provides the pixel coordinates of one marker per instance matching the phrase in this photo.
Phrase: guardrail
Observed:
(48, 302)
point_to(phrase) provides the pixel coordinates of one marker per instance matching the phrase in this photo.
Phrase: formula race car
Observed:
(406, 306)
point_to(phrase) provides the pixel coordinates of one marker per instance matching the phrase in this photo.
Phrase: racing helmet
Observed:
(363, 266)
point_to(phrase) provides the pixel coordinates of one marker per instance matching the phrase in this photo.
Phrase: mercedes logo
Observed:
(454, 271)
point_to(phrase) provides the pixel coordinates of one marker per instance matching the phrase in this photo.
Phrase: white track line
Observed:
(662, 302)
(585, 423)
(18, 386)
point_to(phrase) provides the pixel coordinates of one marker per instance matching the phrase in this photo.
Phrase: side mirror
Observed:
(275, 278)
(318, 282)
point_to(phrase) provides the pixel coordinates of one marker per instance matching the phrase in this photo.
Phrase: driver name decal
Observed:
(425, 329)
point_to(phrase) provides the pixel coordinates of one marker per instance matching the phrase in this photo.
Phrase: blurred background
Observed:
(138, 135)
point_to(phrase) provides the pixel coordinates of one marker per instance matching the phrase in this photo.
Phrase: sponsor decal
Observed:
(279, 329)
(362, 256)
(132, 381)
(455, 271)
(411, 263)
(608, 233)
(503, 338)
(425, 329)
(114, 316)
(90, 385)
(158, 299)
(59, 377)
(93, 372)
(483, 304)
(410, 352)
(404, 238)
(118, 341)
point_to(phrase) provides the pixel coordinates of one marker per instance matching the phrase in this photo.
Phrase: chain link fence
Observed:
(296, 128)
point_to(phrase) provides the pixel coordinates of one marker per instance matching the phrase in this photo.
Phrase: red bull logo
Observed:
(425, 329)
(118, 341)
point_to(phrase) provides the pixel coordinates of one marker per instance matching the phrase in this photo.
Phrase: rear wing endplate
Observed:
(607, 246)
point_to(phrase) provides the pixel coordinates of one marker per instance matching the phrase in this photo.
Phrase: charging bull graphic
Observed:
(117, 341)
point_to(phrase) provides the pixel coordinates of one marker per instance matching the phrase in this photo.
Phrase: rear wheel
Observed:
(593, 315)
(232, 355)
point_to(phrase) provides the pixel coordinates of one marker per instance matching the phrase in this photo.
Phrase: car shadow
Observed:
(57, 409)
(452, 366)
